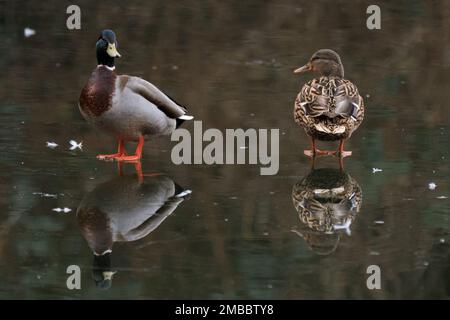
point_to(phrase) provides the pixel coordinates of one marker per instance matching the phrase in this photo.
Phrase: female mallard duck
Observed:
(128, 108)
(329, 108)
(327, 200)
(125, 209)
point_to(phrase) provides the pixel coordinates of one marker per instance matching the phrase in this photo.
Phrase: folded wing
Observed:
(157, 97)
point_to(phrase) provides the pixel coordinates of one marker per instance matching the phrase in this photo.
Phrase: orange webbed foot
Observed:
(133, 158)
(309, 153)
(110, 157)
(344, 154)
(120, 153)
(341, 152)
(318, 153)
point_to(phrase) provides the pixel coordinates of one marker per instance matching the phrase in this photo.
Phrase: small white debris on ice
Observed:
(76, 145)
(442, 240)
(46, 195)
(442, 197)
(65, 210)
(51, 145)
(378, 222)
(375, 170)
(374, 253)
(28, 32)
(432, 186)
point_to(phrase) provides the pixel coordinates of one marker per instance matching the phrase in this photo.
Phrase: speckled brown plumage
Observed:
(96, 96)
(329, 108)
(327, 201)
(323, 196)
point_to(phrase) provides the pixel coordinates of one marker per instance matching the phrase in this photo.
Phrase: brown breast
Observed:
(96, 96)
(95, 227)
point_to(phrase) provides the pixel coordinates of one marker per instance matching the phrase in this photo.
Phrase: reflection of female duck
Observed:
(124, 209)
(327, 200)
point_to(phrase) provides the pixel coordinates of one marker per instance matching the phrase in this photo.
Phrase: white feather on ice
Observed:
(64, 210)
(46, 195)
(51, 144)
(75, 145)
(28, 32)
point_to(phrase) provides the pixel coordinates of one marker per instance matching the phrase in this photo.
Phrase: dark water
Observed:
(239, 234)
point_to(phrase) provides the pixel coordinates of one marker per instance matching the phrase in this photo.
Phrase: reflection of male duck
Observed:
(121, 210)
(327, 201)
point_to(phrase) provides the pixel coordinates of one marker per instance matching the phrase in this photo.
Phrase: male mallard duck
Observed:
(124, 209)
(329, 108)
(128, 108)
(327, 200)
